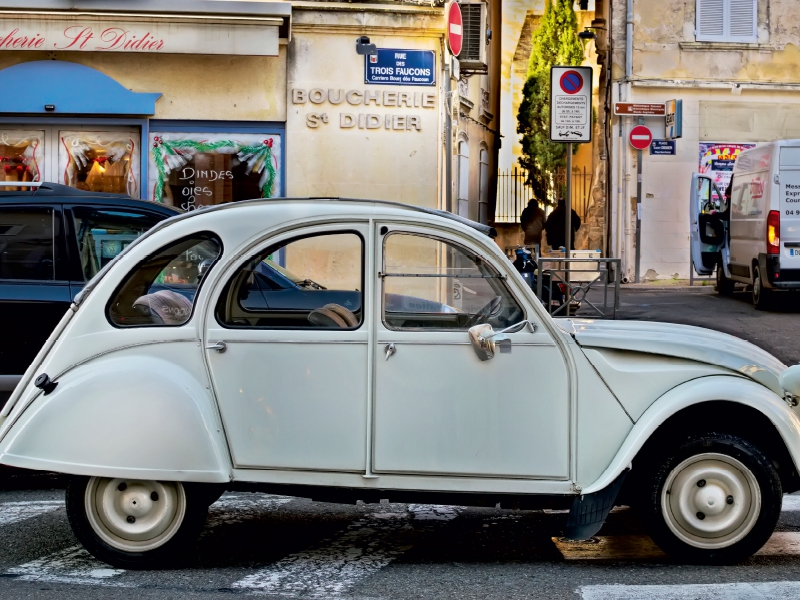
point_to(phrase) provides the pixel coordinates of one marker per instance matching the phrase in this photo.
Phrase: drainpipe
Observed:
(629, 41)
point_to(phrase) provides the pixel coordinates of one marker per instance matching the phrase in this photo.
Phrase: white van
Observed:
(753, 237)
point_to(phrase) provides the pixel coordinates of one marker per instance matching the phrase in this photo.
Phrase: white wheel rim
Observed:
(134, 515)
(711, 501)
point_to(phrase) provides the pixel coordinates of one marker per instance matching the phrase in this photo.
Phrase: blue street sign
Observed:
(400, 67)
(662, 148)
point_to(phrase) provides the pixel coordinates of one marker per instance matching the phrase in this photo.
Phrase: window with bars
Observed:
(727, 21)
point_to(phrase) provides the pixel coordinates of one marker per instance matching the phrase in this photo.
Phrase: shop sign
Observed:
(662, 148)
(717, 160)
(571, 104)
(628, 109)
(674, 119)
(162, 36)
(400, 67)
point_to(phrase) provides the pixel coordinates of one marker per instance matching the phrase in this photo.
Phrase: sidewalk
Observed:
(701, 286)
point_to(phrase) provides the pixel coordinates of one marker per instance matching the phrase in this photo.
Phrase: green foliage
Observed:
(554, 42)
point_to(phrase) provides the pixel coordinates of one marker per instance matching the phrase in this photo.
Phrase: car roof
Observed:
(56, 192)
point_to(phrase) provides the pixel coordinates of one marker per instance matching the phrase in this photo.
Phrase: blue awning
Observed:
(70, 88)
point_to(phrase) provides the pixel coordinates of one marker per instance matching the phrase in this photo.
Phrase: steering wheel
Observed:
(484, 313)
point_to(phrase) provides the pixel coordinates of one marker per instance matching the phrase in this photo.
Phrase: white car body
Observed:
(563, 414)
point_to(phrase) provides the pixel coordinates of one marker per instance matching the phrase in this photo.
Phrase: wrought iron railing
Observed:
(514, 192)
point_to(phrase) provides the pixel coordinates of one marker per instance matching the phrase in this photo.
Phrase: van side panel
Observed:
(789, 207)
(749, 210)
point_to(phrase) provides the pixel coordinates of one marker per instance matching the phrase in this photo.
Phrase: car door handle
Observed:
(389, 349)
(218, 346)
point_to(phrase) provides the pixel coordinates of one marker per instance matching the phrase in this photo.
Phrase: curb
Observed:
(692, 289)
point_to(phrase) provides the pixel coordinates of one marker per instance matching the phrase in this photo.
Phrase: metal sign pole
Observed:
(638, 208)
(568, 221)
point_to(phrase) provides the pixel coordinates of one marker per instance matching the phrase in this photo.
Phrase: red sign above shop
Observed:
(161, 36)
(641, 137)
(455, 29)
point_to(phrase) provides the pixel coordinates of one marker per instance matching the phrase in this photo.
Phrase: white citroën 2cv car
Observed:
(347, 349)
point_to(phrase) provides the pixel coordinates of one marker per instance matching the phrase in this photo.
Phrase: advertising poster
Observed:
(717, 158)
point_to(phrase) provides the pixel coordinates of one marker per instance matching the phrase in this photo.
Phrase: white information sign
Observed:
(159, 36)
(571, 104)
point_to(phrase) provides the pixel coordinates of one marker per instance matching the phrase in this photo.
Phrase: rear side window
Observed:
(102, 234)
(161, 290)
(27, 243)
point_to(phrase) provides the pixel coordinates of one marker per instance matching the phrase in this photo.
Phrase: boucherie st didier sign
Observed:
(159, 35)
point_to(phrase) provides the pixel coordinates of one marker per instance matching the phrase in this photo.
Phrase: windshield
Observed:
(283, 271)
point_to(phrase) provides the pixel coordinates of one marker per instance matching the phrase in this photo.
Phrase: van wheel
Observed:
(724, 285)
(715, 499)
(135, 524)
(762, 296)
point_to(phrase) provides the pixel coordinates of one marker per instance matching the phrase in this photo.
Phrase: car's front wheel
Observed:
(762, 296)
(715, 499)
(724, 286)
(135, 524)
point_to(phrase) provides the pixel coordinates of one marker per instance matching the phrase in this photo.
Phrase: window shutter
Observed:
(727, 21)
(710, 20)
(743, 20)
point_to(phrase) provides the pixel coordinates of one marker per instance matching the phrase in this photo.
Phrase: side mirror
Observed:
(483, 337)
(789, 380)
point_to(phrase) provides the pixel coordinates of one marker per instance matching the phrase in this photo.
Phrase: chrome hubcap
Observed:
(711, 501)
(134, 515)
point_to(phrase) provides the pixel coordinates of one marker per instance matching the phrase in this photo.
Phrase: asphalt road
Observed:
(278, 547)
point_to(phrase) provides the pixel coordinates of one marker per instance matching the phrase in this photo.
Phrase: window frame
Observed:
(725, 36)
(382, 275)
(139, 264)
(282, 243)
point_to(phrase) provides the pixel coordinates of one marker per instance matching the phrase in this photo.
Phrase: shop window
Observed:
(727, 21)
(433, 284)
(100, 161)
(192, 170)
(20, 157)
(27, 243)
(161, 290)
(102, 234)
(463, 178)
(311, 282)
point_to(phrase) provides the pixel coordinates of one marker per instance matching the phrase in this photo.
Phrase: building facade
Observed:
(735, 65)
(200, 103)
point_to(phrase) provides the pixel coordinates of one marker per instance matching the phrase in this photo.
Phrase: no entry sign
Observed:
(641, 137)
(571, 104)
(455, 29)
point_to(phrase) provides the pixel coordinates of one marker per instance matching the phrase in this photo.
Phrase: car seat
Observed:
(333, 316)
(165, 307)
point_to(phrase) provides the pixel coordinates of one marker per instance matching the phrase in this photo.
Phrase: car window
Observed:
(310, 282)
(27, 243)
(432, 284)
(161, 290)
(102, 234)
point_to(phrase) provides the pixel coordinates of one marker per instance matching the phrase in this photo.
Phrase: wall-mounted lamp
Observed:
(590, 35)
(363, 46)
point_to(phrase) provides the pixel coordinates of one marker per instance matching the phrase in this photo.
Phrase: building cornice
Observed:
(730, 85)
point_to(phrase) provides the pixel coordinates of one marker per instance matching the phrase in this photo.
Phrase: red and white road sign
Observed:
(455, 28)
(641, 137)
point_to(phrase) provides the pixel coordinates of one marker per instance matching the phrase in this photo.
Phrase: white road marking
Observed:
(777, 590)
(13, 512)
(332, 567)
(71, 565)
(235, 508)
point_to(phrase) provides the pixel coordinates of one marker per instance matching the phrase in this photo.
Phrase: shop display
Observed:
(100, 161)
(20, 157)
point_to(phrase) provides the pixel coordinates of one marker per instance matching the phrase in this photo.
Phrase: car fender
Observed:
(122, 415)
(696, 391)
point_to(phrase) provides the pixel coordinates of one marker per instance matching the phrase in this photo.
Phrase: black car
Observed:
(53, 239)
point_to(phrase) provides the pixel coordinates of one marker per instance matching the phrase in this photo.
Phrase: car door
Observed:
(438, 408)
(34, 292)
(706, 224)
(291, 379)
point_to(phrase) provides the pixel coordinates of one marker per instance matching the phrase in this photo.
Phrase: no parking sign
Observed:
(571, 104)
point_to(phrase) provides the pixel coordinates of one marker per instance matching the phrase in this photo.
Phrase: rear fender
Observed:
(704, 389)
(123, 415)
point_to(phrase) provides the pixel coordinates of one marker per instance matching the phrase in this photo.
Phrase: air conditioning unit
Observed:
(473, 45)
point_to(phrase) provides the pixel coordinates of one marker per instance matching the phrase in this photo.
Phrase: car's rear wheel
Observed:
(762, 297)
(715, 499)
(135, 524)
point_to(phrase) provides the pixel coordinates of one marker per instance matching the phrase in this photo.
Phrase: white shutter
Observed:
(743, 21)
(727, 21)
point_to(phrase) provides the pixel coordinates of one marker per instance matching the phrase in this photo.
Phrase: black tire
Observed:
(676, 537)
(762, 297)
(174, 549)
(725, 286)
